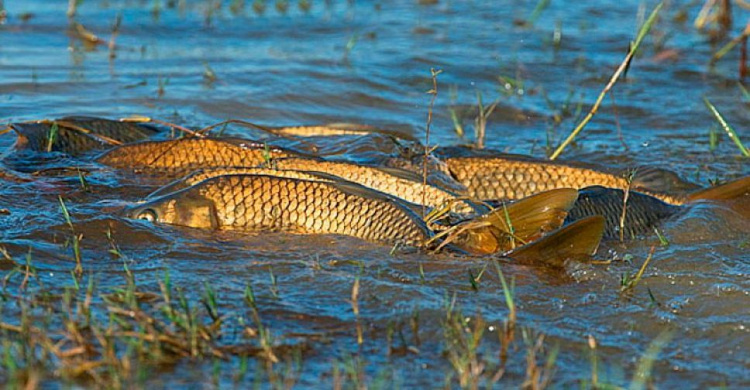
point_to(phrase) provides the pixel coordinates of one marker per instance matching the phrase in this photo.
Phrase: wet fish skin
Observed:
(336, 129)
(70, 139)
(179, 157)
(515, 177)
(642, 212)
(403, 184)
(255, 203)
(207, 173)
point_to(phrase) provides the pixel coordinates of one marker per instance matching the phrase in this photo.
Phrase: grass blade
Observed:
(727, 127)
(641, 34)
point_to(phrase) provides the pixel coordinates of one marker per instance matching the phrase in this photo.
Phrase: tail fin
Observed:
(579, 240)
(728, 191)
(531, 216)
(524, 220)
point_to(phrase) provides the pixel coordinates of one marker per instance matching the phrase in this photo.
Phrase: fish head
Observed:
(183, 208)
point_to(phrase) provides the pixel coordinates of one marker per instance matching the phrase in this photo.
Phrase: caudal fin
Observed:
(728, 191)
(520, 222)
(579, 240)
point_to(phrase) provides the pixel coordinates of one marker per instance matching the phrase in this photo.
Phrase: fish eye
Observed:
(147, 214)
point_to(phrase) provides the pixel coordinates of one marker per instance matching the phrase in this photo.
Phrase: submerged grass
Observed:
(123, 336)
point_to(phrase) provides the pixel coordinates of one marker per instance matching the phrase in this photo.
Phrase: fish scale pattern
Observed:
(642, 212)
(504, 179)
(78, 135)
(179, 157)
(259, 203)
(497, 178)
(371, 177)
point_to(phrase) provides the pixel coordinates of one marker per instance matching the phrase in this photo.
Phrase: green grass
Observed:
(727, 128)
(612, 81)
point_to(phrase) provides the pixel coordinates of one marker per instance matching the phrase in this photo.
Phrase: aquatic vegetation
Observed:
(612, 81)
(90, 298)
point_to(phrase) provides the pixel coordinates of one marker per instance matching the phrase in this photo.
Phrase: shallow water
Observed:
(294, 68)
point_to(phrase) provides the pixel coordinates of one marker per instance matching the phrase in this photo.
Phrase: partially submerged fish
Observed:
(513, 177)
(78, 135)
(207, 173)
(494, 176)
(257, 199)
(644, 212)
(179, 157)
(256, 203)
(403, 184)
(335, 129)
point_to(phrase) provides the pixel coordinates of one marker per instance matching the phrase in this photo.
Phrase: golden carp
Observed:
(207, 173)
(335, 129)
(495, 176)
(524, 220)
(403, 184)
(255, 203)
(513, 177)
(179, 157)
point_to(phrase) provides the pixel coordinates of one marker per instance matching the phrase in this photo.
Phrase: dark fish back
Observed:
(71, 140)
(643, 212)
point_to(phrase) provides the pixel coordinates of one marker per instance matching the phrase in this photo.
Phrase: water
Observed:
(370, 63)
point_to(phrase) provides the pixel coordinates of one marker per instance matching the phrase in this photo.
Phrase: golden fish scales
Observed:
(208, 173)
(184, 155)
(489, 178)
(411, 190)
(255, 203)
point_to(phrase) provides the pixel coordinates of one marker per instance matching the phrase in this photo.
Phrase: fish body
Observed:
(511, 177)
(179, 157)
(336, 129)
(78, 135)
(208, 173)
(256, 203)
(642, 214)
(403, 184)
(493, 176)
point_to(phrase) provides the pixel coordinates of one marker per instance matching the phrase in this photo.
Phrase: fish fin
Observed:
(576, 241)
(534, 215)
(661, 180)
(728, 191)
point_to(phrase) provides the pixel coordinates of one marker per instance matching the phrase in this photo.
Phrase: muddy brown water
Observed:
(294, 68)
